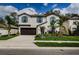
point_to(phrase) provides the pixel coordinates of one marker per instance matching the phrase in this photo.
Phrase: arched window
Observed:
(52, 19)
(24, 19)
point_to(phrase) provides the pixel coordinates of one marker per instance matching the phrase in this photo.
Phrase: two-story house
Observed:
(30, 24)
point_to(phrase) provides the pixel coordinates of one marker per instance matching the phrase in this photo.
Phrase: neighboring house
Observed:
(71, 24)
(30, 24)
(4, 31)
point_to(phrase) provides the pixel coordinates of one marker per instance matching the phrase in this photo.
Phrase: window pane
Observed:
(52, 19)
(39, 20)
(24, 19)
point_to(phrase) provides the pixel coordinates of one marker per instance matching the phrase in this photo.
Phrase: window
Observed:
(24, 19)
(39, 19)
(52, 19)
(75, 22)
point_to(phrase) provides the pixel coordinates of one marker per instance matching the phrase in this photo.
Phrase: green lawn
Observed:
(63, 38)
(55, 44)
(6, 37)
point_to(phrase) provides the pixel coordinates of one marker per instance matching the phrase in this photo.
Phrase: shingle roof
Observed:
(2, 26)
(37, 15)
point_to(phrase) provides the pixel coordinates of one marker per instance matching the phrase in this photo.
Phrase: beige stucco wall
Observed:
(5, 32)
(66, 25)
(71, 25)
(14, 31)
(31, 21)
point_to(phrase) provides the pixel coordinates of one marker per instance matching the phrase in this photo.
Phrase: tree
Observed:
(52, 23)
(14, 18)
(10, 22)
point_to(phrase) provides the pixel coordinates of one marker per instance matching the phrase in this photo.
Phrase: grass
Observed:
(56, 38)
(55, 44)
(6, 37)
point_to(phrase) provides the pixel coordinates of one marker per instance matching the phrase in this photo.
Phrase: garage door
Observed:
(28, 31)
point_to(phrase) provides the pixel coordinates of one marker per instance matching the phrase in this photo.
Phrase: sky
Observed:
(38, 8)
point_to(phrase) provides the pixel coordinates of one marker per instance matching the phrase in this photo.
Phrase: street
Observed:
(39, 51)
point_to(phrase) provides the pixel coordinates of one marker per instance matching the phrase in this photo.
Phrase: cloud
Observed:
(5, 10)
(72, 8)
(29, 10)
(45, 4)
(59, 10)
(55, 5)
(56, 9)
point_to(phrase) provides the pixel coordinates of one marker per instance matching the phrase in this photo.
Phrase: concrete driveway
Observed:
(19, 41)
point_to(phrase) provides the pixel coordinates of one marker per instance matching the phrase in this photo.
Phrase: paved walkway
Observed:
(19, 41)
(56, 41)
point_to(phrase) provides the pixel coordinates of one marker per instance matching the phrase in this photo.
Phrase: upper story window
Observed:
(24, 19)
(39, 20)
(52, 19)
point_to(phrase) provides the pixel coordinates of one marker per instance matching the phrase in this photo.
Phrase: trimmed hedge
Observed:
(55, 44)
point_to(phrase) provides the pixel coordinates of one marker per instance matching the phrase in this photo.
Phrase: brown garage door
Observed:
(28, 31)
